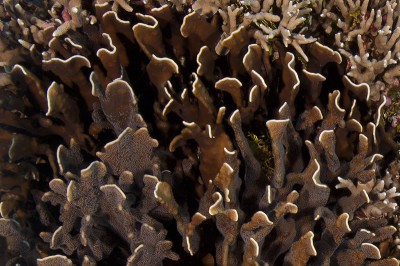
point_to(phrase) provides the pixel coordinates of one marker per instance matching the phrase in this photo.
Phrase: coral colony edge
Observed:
(208, 132)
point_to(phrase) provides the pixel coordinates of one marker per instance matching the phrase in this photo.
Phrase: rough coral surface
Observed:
(199, 132)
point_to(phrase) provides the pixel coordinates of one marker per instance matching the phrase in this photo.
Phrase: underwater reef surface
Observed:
(208, 132)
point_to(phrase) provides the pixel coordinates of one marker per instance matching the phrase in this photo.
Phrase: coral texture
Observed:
(199, 132)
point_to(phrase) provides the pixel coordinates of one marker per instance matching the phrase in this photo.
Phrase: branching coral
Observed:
(373, 28)
(199, 132)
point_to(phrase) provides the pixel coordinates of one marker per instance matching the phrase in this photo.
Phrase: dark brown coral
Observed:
(124, 133)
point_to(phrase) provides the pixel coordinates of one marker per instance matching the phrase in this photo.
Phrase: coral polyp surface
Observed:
(208, 132)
